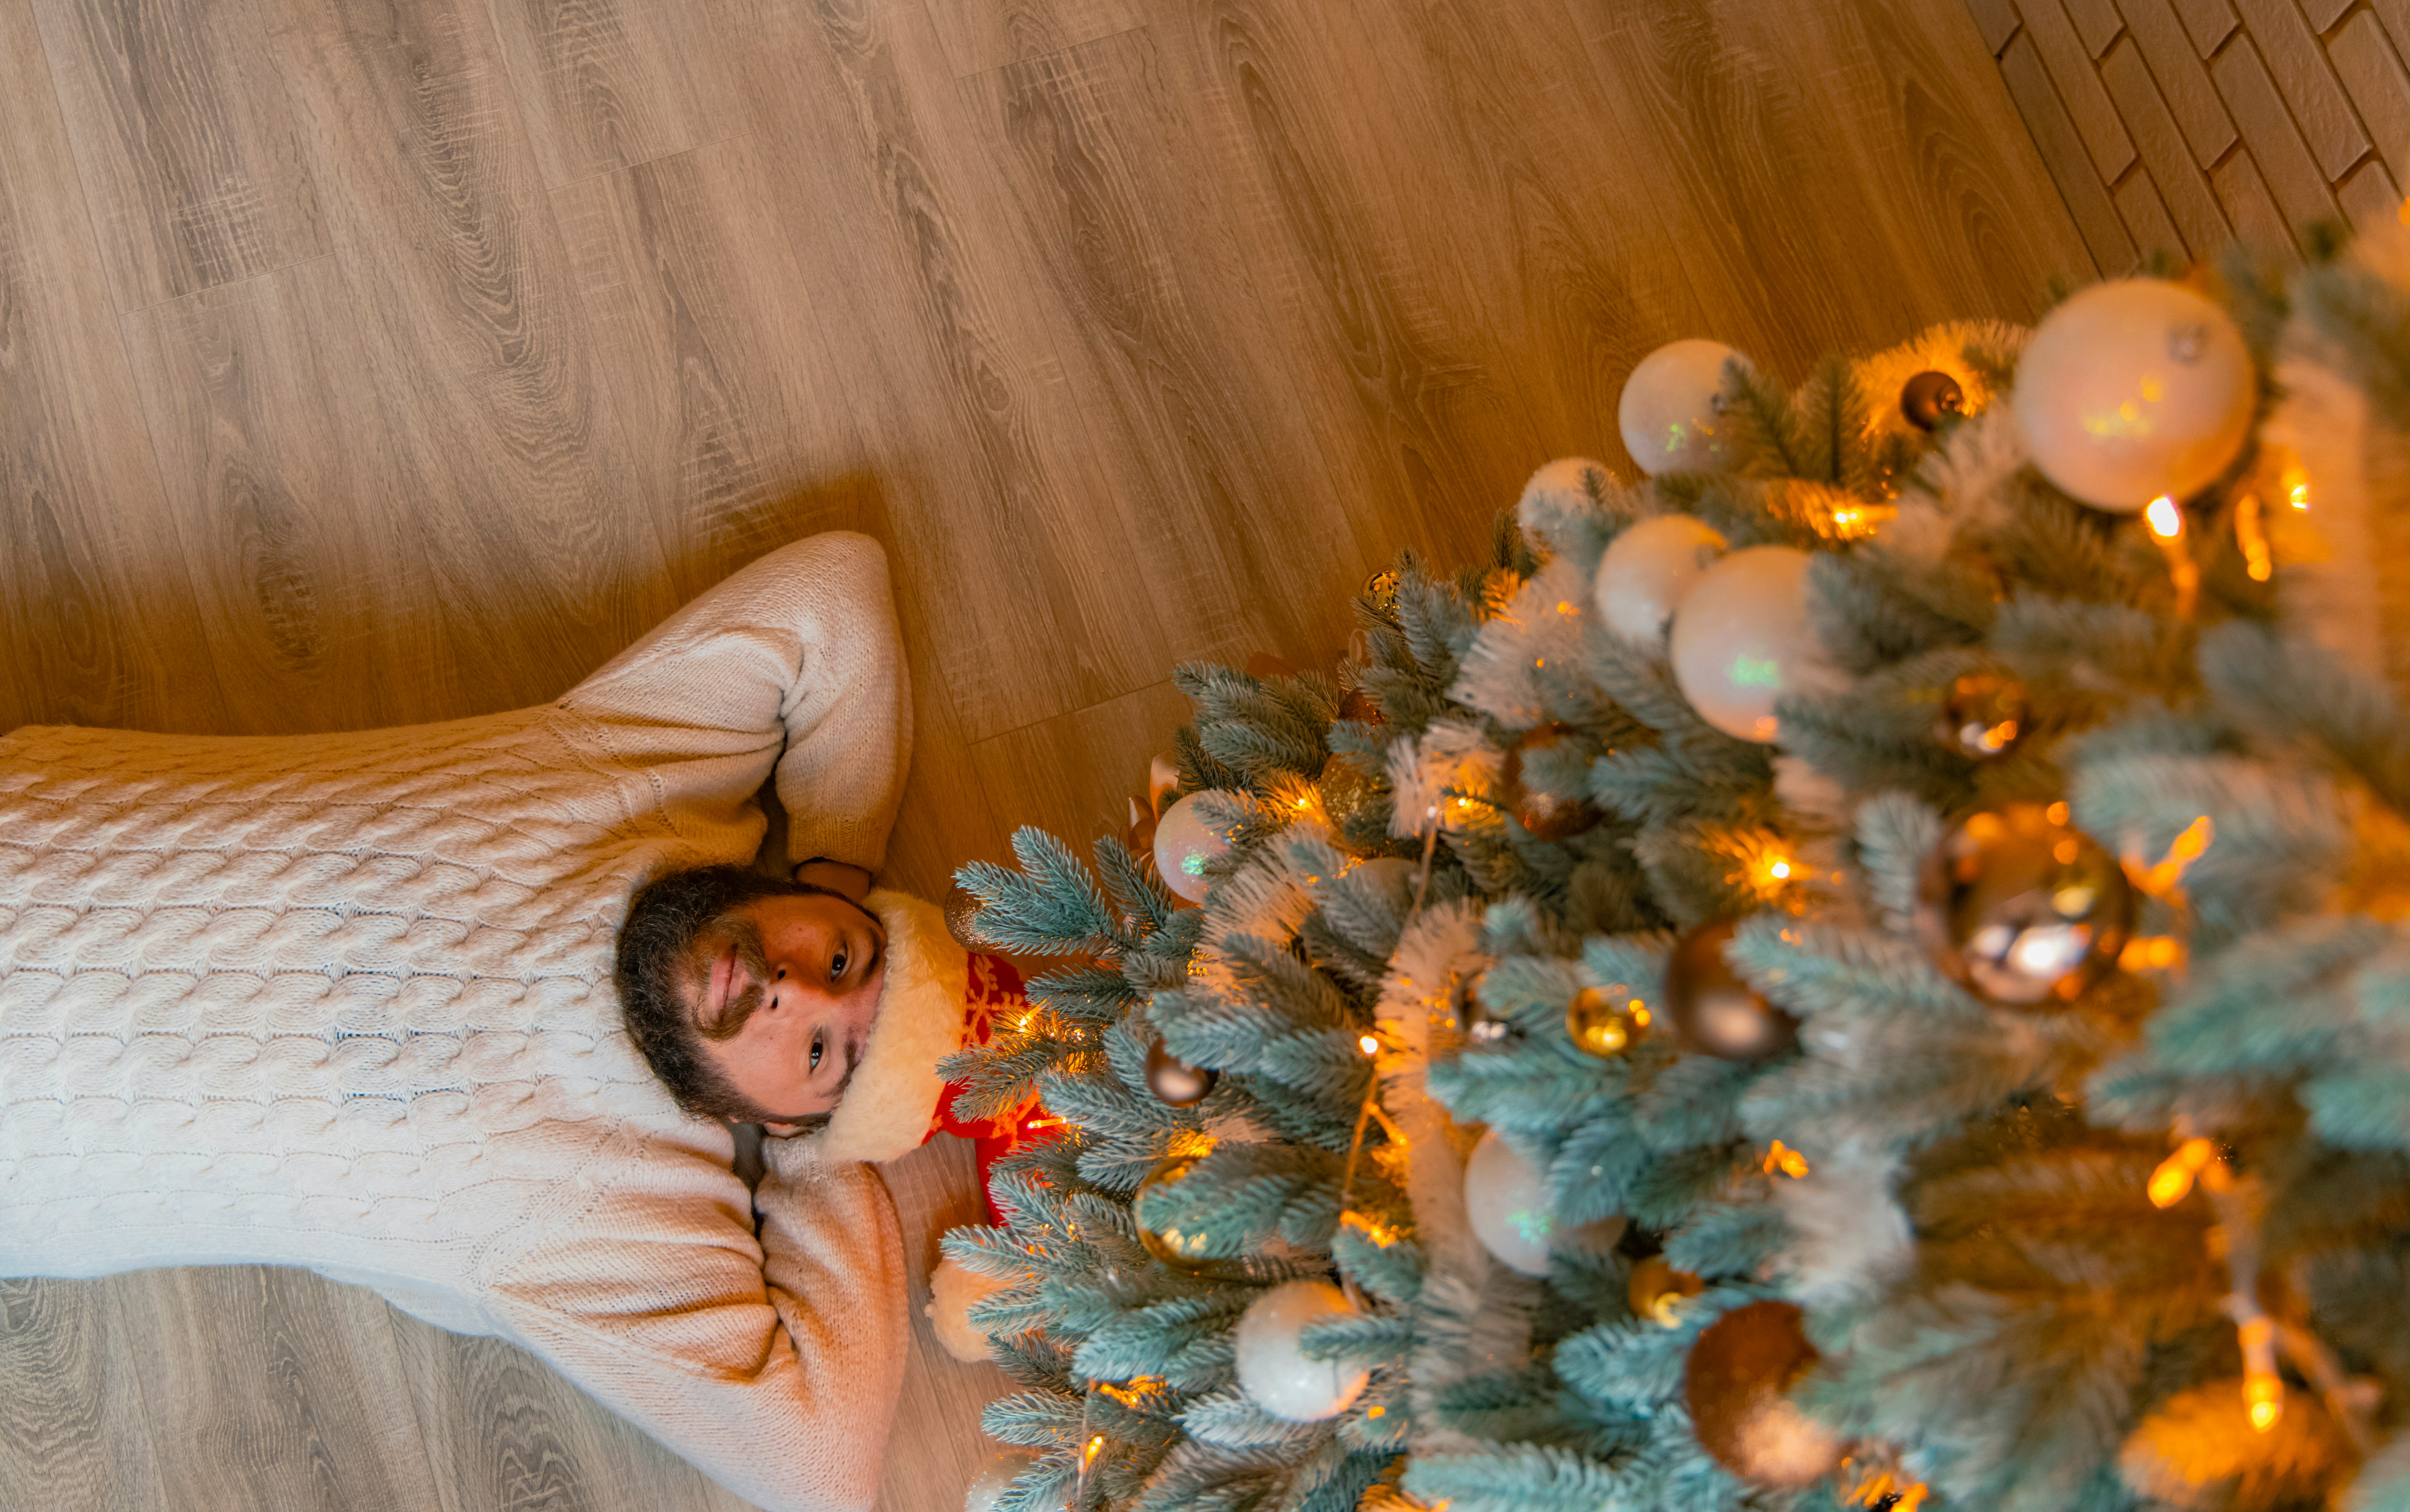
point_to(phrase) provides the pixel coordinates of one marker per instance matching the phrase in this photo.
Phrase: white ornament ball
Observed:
(1272, 1370)
(953, 1290)
(1506, 1203)
(1560, 486)
(1671, 413)
(994, 1478)
(1185, 843)
(1743, 639)
(2133, 389)
(1648, 568)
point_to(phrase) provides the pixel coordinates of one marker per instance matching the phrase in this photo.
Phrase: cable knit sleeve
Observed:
(774, 1367)
(796, 659)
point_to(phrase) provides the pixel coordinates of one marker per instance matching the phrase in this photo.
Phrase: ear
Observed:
(891, 1101)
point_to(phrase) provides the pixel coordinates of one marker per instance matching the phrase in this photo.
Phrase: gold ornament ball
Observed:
(1929, 396)
(2022, 908)
(1543, 815)
(1735, 1383)
(1713, 1010)
(1473, 1019)
(1181, 1252)
(1175, 1082)
(1657, 1290)
(1605, 1024)
(1984, 715)
(962, 917)
(1382, 587)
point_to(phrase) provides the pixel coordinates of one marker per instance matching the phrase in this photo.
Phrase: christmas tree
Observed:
(1861, 969)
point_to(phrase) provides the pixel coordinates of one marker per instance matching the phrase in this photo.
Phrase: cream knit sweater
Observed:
(346, 1002)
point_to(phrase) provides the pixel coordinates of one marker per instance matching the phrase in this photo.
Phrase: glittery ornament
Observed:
(1382, 587)
(962, 917)
(1175, 1082)
(1185, 843)
(1743, 639)
(1272, 1369)
(1984, 713)
(1929, 396)
(1357, 704)
(1657, 1290)
(1735, 1385)
(1506, 1205)
(1670, 412)
(2132, 390)
(2022, 906)
(1473, 1019)
(1648, 569)
(1605, 1024)
(1544, 816)
(1181, 1251)
(1713, 1010)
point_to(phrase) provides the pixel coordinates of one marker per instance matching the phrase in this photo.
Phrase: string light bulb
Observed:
(2173, 1179)
(2263, 1389)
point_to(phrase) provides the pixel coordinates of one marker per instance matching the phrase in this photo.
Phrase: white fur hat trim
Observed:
(893, 1094)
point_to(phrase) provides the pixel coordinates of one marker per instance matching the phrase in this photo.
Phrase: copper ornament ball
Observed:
(1657, 1291)
(1604, 1023)
(1544, 816)
(1929, 396)
(2022, 908)
(962, 917)
(1173, 1081)
(1735, 1385)
(1357, 704)
(1713, 1010)
(1984, 713)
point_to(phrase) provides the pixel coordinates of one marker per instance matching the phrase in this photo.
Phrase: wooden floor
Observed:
(366, 361)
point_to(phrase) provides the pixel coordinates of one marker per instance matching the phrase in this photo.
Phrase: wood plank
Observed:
(326, 1433)
(2395, 17)
(2185, 84)
(2373, 73)
(2062, 147)
(183, 142)
(2146, 219)
(263, 414)
(937, 1449)
(2324, 13)
(2207, 22)
(1998, 20)
(99, 625)
(2096, 22)
(2369, 197)
(1073, 775)
(707, 327)
(979, 34)
(2306, 84)
(73, 1437)
(2069, 65)
(2181, 187)
(608, 85)
(468, 318)
(2257, 222)
(2292, 177)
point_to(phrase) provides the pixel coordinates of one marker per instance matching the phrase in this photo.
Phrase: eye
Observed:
(820, 1048)
(836, 963)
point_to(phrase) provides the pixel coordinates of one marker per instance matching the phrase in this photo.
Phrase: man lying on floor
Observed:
(348, 1002)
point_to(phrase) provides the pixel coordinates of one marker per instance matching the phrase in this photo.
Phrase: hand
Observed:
(851, 882)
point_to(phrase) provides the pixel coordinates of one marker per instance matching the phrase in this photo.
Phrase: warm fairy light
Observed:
(2258, 563)
(2165, 520)
(2175, 1176)
(1381, 1234)
(1785, 1159)
(1136, 1393)
(2151, 952)
(2161, 877)
(1639, 1012)
(1564, 606)
(2263, 1389)
(1374, 1412)
(1780, 869)
(1369, 1045)
(1022, 1022)
(1096, 1446)
(2297, 487)
(2058, 813)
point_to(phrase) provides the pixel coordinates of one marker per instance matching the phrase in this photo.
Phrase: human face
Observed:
(811, 966)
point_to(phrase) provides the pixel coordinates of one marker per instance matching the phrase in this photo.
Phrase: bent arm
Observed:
(775, 1369)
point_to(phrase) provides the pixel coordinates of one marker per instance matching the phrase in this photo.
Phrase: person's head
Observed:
(750, 997)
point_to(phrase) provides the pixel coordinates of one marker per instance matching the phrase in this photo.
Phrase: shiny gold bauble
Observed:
(1735, 1385)
(2022, 908)
(1175, 1082)
(1929, 396)
(1984, 713)
(1474, 1020)
(1382, 587)
(1543, 815)
(1605, 1024)
(962, 917)
(1182, 1252)
(1657, 1290)
(1713, 1010)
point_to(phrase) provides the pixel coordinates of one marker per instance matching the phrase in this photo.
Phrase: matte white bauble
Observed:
(1743, 639)
(994, 1478)
(1671, 415)
(1506, 1203)
(1186, 842)
(2133, 389)
(952, 1288)
(1273, 1370)
(1648, 568)
(1561, 484)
